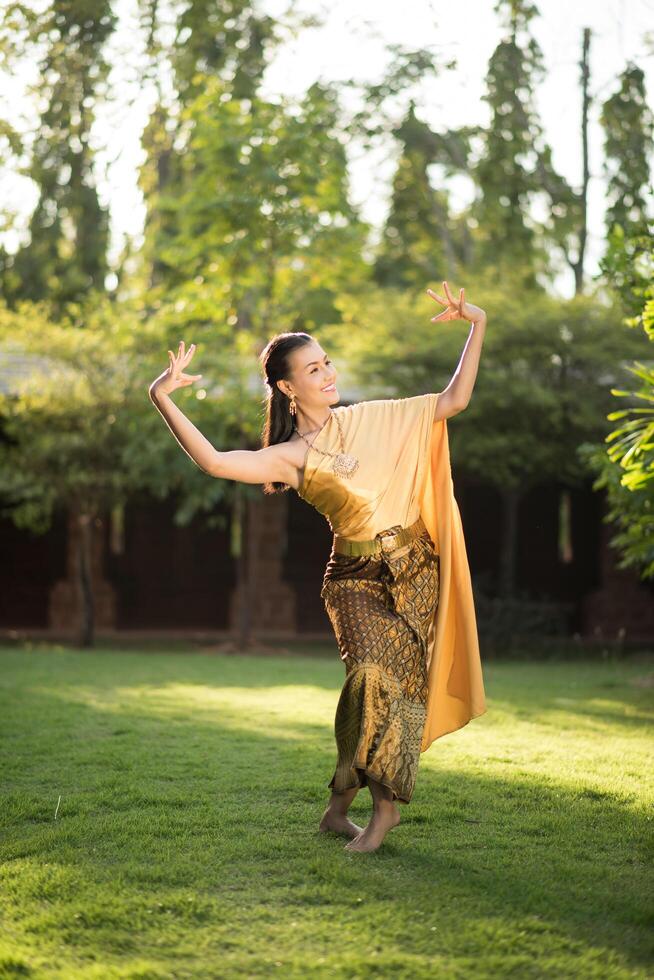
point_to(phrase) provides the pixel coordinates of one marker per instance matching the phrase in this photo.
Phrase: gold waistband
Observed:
(381, 542)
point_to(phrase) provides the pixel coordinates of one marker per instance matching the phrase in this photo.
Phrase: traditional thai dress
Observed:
(403, 616)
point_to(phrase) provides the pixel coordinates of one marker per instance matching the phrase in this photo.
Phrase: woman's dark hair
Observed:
(275, 364)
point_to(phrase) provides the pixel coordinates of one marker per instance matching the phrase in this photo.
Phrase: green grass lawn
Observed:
(190, 788)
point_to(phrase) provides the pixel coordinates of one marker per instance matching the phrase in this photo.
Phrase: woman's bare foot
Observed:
(339, 824)
(335, 818)
(386, 815)
(383, 819)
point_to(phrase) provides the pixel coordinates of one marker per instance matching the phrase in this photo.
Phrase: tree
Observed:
(514, 158)
(65, 255)
(80, 434)
(625, 463)
(229, 43)
(262, 210)
(628, 124)
(419, 234)
(566, 223)
(66, 425)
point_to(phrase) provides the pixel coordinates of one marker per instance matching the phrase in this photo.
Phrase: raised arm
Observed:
(456, 396)
(257, 466)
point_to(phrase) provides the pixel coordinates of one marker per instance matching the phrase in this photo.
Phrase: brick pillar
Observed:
(272, 599)
(64, 603)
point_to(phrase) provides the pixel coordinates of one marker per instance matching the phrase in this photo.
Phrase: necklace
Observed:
(344, 464)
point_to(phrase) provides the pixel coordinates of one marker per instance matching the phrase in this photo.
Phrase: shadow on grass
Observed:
(158, 807)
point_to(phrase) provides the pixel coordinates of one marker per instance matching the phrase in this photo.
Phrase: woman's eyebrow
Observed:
(316, 362)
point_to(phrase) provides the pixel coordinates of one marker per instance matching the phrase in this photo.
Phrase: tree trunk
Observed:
(510, 501)
(242, 548)
(85, 584)
(578, 266)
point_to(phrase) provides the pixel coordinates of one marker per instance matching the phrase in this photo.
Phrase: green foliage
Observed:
(515, 164)
(537, 395)
(626, 464)
(508, 162)
(65, 255)
(227, 405)
(260, 208)
(407, 71)
(633, 442)
(230, 40)
(628, 124)
(419, 235)
(79, 430)
(69, 404)
(628, 268)
(230, 43)
(250, 231)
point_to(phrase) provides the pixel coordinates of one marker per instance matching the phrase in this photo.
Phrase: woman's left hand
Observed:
(456, 309)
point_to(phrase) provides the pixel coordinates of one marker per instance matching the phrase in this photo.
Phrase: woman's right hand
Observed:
(174, 376)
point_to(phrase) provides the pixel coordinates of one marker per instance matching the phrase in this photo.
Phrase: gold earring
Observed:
(292, 407)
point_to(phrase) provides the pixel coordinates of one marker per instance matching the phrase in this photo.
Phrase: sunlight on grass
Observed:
(260, 709)
(189, 792)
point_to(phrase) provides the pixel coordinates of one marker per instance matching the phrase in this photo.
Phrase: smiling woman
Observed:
(301, 382)
(397, 585)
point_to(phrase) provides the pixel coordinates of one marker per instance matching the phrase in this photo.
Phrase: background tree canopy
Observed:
(250, 230)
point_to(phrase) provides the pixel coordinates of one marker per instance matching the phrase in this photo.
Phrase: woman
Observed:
(397, 584)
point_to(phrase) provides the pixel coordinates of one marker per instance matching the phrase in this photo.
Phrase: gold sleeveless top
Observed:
(404, 472)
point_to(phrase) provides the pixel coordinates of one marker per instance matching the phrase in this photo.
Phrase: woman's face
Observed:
(313, 377)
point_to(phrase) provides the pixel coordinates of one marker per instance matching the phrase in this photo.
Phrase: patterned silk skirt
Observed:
(381, 607)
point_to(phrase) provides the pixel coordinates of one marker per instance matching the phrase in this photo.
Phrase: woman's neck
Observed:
(306, 424)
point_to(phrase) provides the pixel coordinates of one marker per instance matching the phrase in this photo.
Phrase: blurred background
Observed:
(221, 172)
